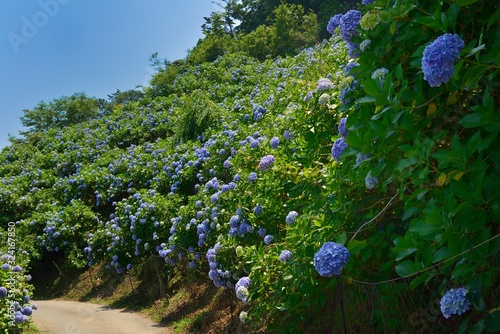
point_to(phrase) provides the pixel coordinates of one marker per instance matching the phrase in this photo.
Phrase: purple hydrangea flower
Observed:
(338, 147)
(360, 157)
(266, 162)
(27, 311)
(20, 318)
(342, 127)
(252, 177)
(244, 281)
(367, 2)
(290, 217)
(288, 135)
(439, 58)
(454, 302)
(348, 24)
(349, 67)
(258, 209)
(226, 164)
(3, 292)
(285, 255)
(268, 239)
(324, 84)
(330, 259)
(370, 182)
(274, 142)
(333, 23)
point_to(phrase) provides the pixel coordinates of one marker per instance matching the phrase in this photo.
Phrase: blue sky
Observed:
(52, 48)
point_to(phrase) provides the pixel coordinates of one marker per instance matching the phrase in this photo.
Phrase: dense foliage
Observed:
(327, 189)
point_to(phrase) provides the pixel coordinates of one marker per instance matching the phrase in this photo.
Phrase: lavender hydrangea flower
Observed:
(324, 99)
(244, 281)
(360, 157)
(252, 177)
(274, 142)
(439, 58)
(348, 24)
(266, 162)
(333, 23)
(268, 239)
(364, 45)
(330, 259)
(285, 255)
(370, 181)
(349, 67)
(338, 147)
(288, 135)
(258, 209)
(3, 292)
(290, 217)
(342, 127)
(324, 84)
(27, 311)
(367, 2)
(380, 74)
(455, 302)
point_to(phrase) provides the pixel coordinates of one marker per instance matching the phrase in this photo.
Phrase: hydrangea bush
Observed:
(394, 174)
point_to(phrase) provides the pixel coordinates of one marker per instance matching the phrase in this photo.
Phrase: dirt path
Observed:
(65, 317)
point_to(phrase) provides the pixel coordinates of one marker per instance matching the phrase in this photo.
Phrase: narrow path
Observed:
(69, 317)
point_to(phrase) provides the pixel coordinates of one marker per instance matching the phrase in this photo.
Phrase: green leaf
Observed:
(473, 75)
(407, 268)
(492, 321)
(402, 164)
(465, 2)
(341, 238)
(356, 246)
(372, 87)
(429, 21)
(424, 228)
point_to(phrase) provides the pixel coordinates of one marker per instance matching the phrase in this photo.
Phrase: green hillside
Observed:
(349, 187)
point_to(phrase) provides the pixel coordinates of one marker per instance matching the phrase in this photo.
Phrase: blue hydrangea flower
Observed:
(338, 147)
(349, 67)
(252, 177)
(226, 164)
(27, 311)
(285, 255)
(342, 127)
(3, 292)
(330, 259)
(242, 293)
(288, 135)
(364, 45)
(455, 302)
(348, 24)
(244, 281)
(290, 217)
(380, 74)
(360, 157)
(268, 239)
(367, 2)
(20, 318)
(333, 23)
(261, 232)
(258, 209)
(324, 84)
(370, 182)
(274, 142)
(439, 58)
(266, 162)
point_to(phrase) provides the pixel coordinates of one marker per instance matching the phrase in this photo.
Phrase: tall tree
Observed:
(58, 113)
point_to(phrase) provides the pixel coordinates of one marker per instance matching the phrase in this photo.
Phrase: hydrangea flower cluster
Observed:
(342, 127)
(3, 292)
(266, 162)
(241, 288)
(454, 302)
(268, 239)
(290, 217)
(324, 99)
(348, 24)
(369, 21)
(252, 177)
(367, 2)
(380, 74)
(218, 276)
(274, 142)
(364, 45)
(243, 316)
(333, 23)
(370, 181)
(285, 255)
(330, 259)
(439, 58)
(324, 84)
(338, 147)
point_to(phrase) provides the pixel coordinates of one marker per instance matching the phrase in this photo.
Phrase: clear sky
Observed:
(52, 48)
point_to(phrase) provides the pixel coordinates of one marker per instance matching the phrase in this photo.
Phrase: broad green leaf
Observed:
(465, 2)
(424, 228)
(473, 75)
(407, 268)
(405, 163)
(356, 246)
